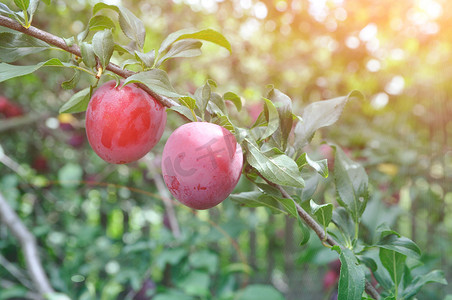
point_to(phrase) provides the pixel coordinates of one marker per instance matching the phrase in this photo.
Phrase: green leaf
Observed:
(14, 46)
(305, 233)
(279, 169)
(103, 46)
(234, 99)
(352, 278)
(272, 117)
(101, 5)
(317, 115)
(420, 280)
(310, 187)
(78, 102)
(224, 121)
(323, 213)
(351, 184)
(256, 199)
(188, 102)
(146, 58)
(202, 96)
(183, 110)
(5, 10)
(321, 166)
(183, 48)
(284, 106)
(22, 4)
(289, 206)
(206, 35)
(132, 27)
(393, 262)
(343, 221)
(216, 105)
(156, 80)
(259, 291)
(100, 22)
(401, 245)
(386, 230)
(71, 83)
(88, 56)
(8, 71)
(32, 7)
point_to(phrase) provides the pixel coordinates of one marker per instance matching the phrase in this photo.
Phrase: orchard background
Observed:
(106, 231)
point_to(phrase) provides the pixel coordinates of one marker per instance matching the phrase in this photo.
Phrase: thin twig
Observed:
(165, 196)
(74, 49)
(16, 272)
(28, 119)
(28, 242)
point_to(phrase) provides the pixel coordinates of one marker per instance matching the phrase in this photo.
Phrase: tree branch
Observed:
(74, 49)
(29, 246)
(319, 231)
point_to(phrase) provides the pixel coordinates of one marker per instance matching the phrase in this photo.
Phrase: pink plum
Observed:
(123, 123)
(201, 164)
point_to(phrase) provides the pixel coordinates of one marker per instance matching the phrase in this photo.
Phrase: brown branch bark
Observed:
(74, 49)
(29, 246)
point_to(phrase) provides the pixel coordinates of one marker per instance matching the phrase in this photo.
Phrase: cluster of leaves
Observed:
(274, 145)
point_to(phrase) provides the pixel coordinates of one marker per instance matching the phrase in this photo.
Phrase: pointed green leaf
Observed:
(206, 35)
(310, 187)
(401, 245)
(77, 103)
(183, 48)
(342, 220)
(188, 102)
(321, 166)
(183, 110)
(272, 116)
(202, 96)
(100, 22)
(5, 10)
(146, 58)
(88, 56)
(352, 278)
(319, 114)
(101, 5)
(156, 80)
(234, 99)
(305, 233)
(132, 27)
(216, 105)
(32, 7)
(351, 184)
(394, 262)
(22, 4)
(225, 122)
(103, 46)
(256, 199)
(14, 46)
(420, 280)
(323, 213)
(284, 106)
(279, 169)
(8, 71)
(71, 83)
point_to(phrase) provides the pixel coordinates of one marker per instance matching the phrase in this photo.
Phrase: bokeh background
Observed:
(104, 230)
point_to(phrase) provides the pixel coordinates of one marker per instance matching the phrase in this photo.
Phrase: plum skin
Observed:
(201, 164)
(123, 123)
